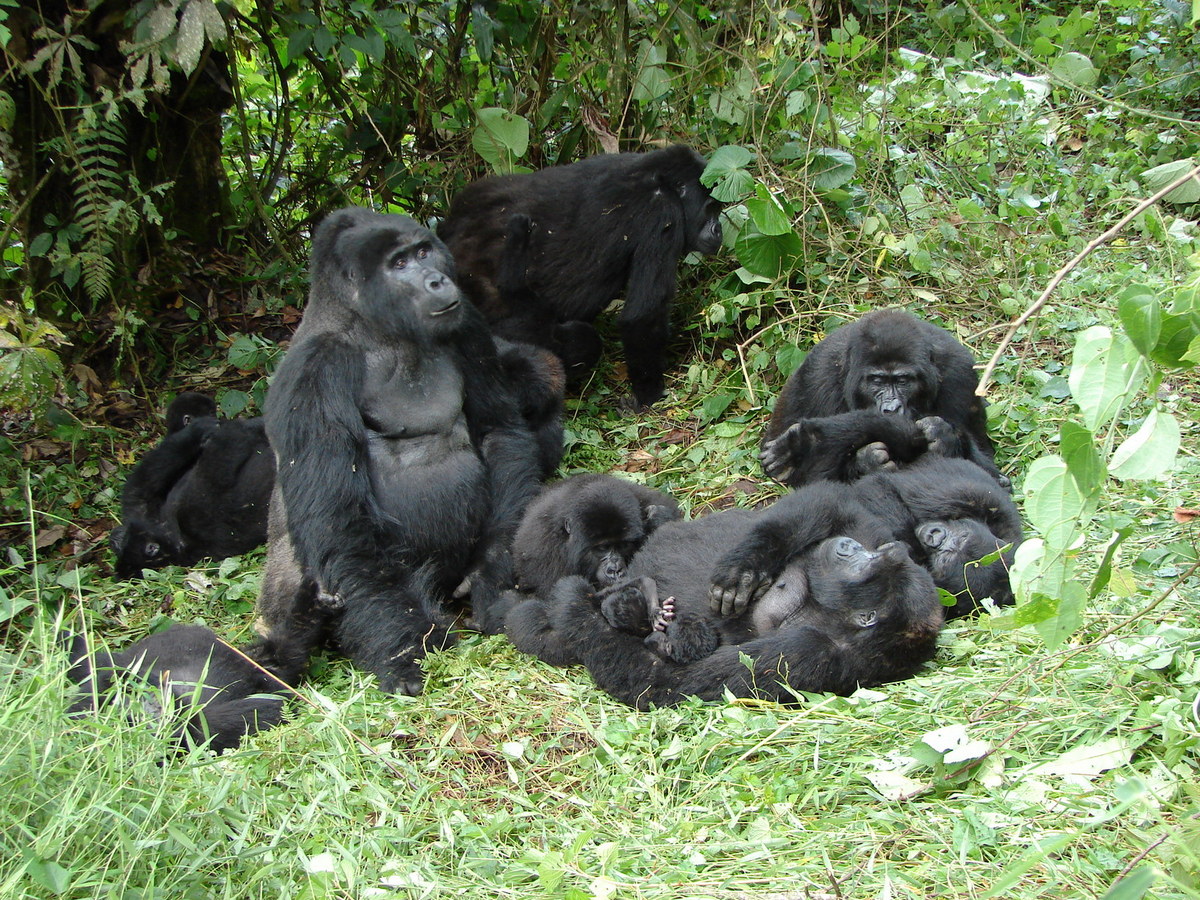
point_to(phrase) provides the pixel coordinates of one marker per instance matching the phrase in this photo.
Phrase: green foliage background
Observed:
(954, 159)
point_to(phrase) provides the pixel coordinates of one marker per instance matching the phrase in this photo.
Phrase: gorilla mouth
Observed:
(449, 307)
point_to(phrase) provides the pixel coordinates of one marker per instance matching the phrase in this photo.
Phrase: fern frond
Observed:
(99, 201)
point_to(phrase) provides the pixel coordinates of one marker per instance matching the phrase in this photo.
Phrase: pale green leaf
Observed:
(1055, 502)
(1106, 372)
(1150, 451)
(766, 213)
(1159, 177)
(1076, 69)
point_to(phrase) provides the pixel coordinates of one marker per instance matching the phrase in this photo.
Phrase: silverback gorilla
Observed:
(404, 460)
(203, 491)
(586, 232)
(888, 361)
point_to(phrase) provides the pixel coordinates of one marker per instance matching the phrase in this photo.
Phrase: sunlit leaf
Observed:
(1150, 451)
(1106, 371)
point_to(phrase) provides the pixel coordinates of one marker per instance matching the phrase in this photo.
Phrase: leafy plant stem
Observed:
(986, 376)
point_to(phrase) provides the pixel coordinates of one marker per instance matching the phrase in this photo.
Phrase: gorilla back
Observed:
(609, 224)
(404, 460)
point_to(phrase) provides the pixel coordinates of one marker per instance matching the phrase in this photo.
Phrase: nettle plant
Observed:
(1114, 375)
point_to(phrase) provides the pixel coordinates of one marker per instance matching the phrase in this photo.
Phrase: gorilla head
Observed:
(954, 549)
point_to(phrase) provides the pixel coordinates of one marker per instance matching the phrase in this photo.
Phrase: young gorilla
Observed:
(539, 382)
(404, 460)
(587, 525)
(888, 361)
(202, 492)
(609, 224)
(840, 616)
(188, 670)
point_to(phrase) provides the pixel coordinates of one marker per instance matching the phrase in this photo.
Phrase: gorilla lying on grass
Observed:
(823, 591)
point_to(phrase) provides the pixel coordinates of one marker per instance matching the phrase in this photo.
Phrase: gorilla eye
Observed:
(399, 262)
(422, 253)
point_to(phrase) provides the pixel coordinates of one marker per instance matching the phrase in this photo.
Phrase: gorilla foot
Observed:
(632, 606)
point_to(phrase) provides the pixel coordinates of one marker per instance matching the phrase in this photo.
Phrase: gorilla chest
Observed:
(416, 429)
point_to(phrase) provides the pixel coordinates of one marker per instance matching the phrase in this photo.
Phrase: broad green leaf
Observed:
(652, 81)
(233, 403)
(1141, 317)
(1078, 450)
(772, 255)
(1193, 351)
(829, 168)
(1076, 69)
(1068, 617)
(1160, 176)
(501, 138)
(766, 213)
(726, 174)
(1179, 333)
(1055, 502)
(1090, 761)
(1150, 451)
(1104, 571)
(1106, 371)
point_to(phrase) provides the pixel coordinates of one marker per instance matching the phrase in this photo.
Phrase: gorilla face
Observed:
(893, 388)
(409, 289)
(953, 549)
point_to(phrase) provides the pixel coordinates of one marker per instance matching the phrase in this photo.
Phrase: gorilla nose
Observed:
(891, 405)
(612, 570)
(436, 282)
(931, 535)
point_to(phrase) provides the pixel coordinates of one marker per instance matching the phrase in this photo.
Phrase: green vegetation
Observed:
(959, 160)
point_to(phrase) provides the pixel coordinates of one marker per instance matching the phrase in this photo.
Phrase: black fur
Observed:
(888, 505)
(586, 233)
(839, 617)
(888, 361)
(405, 462)
(203, 491)
(216, 695)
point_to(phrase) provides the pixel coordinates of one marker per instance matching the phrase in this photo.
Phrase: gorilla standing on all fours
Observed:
(891, 362)
(587, 232)
(404, 460)
(202, 492)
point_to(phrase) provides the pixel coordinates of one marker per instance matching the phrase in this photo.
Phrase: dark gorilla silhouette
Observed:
(539, 382)
(899, 505)
(213, 693)
(888, 361)
(586, 233)
(405, 462)
(588, 525)
(203, 491)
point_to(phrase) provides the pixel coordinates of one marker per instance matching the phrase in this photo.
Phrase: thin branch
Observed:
(986, 377)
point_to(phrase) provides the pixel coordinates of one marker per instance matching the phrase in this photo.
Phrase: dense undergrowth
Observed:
(949, 161)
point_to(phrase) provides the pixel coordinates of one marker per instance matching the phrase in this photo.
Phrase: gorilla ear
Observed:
(566, 527)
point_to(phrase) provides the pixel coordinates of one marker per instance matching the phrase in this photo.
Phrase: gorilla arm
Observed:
(323, 469)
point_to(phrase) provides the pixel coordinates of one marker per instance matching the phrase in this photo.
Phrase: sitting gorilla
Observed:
(405, 461)
(539, 382)
(841, 616)
(888, 361)
(586, 233)
(949, 512)
(187, 671)
(202, 492)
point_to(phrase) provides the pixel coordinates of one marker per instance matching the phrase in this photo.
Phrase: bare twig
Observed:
(986, 376)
